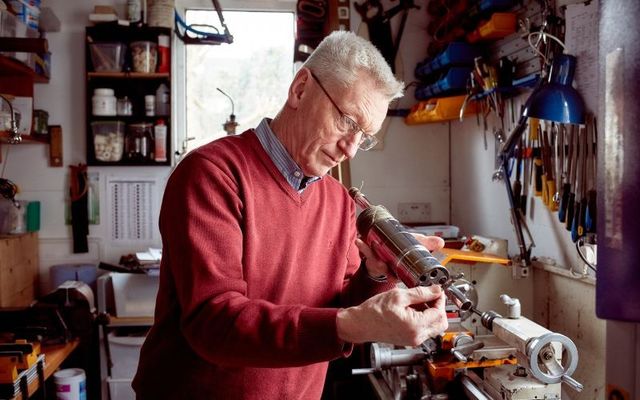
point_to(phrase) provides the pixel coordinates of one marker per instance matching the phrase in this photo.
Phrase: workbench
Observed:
(54, 356)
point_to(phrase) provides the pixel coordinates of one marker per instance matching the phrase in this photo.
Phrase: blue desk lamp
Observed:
(552, 100)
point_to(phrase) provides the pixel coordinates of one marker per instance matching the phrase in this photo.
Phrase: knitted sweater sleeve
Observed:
(200, 222)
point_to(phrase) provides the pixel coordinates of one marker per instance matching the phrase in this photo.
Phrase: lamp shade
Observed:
(557, 100)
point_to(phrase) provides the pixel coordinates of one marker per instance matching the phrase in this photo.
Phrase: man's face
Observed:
(325, 137)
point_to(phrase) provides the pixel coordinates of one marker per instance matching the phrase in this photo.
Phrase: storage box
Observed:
(121, 389)
(108, 140)
(125, 352)
(134, 294)
(107, 57)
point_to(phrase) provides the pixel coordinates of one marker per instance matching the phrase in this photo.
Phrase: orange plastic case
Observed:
(439, 109)
(500, 25)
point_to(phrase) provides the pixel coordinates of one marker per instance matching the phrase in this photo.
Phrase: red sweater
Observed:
(252, 272)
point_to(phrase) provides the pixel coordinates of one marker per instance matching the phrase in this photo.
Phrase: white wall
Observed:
(413, 162)
(27, 165)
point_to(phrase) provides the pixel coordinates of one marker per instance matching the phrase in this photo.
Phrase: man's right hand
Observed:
(390, 318)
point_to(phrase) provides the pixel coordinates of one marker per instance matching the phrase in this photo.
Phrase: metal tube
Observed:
(412, 263)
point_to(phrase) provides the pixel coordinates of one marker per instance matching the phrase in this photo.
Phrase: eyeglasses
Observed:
(367, 142)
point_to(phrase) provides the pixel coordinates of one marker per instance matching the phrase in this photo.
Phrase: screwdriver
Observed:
(572, 180)
(534, 126)
(567, 174)
(591, 214)
(580, 205)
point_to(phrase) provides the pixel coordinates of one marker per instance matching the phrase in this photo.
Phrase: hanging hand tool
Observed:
(579, 192)
(517, 185)
(591, 215)
(549, 189)
(379, 24)
(582, 215)
(534, 128)
(559, 132)
(546, 167)
(573, 177)
(567, 175)
(526, 175)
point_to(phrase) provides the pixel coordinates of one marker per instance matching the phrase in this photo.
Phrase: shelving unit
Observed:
(133, 85)
(17, 79)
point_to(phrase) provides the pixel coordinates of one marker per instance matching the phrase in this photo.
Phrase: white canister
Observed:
(71, 384)
(104, 102)
(149, 105)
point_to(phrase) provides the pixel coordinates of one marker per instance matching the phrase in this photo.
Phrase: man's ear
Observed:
(297, 88)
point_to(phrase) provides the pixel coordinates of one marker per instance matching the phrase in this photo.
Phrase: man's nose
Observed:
(349, 146)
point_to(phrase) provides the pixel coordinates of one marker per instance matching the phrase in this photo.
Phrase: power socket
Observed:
(414, 212)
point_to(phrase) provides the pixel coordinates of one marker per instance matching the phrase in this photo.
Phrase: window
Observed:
(255, 71)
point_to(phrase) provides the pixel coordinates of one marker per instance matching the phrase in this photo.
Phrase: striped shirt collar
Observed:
(281, 158)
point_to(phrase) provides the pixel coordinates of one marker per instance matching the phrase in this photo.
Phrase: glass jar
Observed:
(139, 141)
(124, 106)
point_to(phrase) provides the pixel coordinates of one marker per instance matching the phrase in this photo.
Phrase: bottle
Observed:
(149, 105)
(160, 140)
(134, 10)
(162, 100)
(163, 53)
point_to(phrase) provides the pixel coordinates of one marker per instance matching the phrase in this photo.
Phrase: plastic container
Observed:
(71, 384)
(121, 389)
(107, 57)
(162, 100)
(60, 273)
(108, 140)
(160, 141)
(455, 54)
(439, 109)
(104, 102)
(134, 294)
(125, 352)
(149, 105)
(454, 81)
(164, 53)
(161, 13)
(144, 56)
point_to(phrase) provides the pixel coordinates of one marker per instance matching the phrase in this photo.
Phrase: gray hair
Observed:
(342, 55)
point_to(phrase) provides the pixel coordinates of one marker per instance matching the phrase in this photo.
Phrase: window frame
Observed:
(179, 59)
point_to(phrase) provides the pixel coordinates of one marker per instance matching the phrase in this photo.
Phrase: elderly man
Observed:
(261, 281)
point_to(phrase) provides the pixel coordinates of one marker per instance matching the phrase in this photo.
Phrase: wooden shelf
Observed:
(54, 355)
(11, 67)
(128, 75)
(129, 321)
(26, 139)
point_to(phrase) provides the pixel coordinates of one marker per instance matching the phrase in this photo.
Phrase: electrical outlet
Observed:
(414, 212)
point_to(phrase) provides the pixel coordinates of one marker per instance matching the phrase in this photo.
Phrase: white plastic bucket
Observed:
(71, 384)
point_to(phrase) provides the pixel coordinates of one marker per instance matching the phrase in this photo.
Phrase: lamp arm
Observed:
(517, 219)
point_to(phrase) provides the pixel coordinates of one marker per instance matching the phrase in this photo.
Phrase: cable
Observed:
(579, 244)
(543, 36)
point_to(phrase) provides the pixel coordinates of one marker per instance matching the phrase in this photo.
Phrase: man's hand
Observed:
(388, 317)
(376, 268)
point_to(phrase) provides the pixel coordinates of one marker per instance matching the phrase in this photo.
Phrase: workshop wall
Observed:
(27, 165)
(412, 164)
